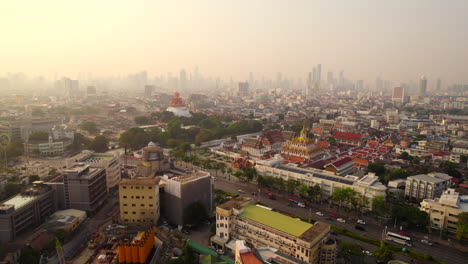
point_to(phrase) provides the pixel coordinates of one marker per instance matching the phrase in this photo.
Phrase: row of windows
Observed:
(125, 212)
(137, 197)
(139, 220)
(138, 187)
(143, 205)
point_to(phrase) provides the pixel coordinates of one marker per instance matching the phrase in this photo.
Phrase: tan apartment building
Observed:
(424, 186)
(139, 201)
(241, 219)
(443, 211)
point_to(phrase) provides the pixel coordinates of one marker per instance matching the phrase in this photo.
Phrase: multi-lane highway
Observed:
(446, 253)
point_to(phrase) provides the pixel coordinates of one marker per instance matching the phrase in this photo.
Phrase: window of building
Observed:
(150, 187)
(133, 212)
(125, 196)
(150, 205)
(133, 205)
(143, 205)
(125, 212)
(124, 204)
(137, 187)
(150, 197)
(137, 197)
(142, 212)
(124, 187)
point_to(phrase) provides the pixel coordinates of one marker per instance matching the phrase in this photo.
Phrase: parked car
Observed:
(341, 220)
(319, 213)
(272, 196)
(361, 222)
(426, 242)
(333, 215)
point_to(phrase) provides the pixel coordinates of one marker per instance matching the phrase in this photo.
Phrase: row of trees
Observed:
(207, 129)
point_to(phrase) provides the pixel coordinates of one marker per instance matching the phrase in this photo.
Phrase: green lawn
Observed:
(276, 220)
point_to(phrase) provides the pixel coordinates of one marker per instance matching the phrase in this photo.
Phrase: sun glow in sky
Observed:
(396, 39)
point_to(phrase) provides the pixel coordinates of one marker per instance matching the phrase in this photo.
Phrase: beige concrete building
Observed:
(68, 220)
(139, 201)
(443, 211)
(241, 219)
(424, 186)
(369, 185)
(153, 161)
(24, 211)
(107, 161)
(84, 188)
(180, 191)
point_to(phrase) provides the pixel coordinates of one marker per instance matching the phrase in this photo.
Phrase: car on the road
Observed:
(426, 242)
(302, 205)
(319, 213)
(358, 227)
(341, 220)
(240, 191)
(328, 218)
(220, 251)
(366, 253)
(360, 221)
(333, 215)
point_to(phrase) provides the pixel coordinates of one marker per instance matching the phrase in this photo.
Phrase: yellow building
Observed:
(139, 201)
(241, 219)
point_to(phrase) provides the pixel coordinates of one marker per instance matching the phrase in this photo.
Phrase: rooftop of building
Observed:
(276, 220)
(431, 177)
(191, 177)
(25, 197)
(235, 203)
(140, 181)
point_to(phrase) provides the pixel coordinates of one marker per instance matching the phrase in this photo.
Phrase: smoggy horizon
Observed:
(395, 40)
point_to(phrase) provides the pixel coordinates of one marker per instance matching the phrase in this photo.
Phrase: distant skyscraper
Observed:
(183, 80)
(149, 89)
(439, 85)
(422, 86)
(319, 73)
(330, 79)
(359, 85)
(398, 95)
(243, 89)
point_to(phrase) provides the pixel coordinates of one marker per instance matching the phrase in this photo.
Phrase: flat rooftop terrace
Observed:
(18, 201)
(276, 220)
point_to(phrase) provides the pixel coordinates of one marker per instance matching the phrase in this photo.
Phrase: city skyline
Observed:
(232, 39)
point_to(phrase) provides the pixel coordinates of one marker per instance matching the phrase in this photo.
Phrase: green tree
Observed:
(79, 141)
(291, 186)
(142, 120)
(315, 193)
(348, 250)
(462, 225)
(464, 159)
(383, 253)
(89, 126)
(39, 136)
(99, 144)
(303, 190)
(134, 138)
(377, 168)
(410, 216)
(195, 214)
(10, 189)
(343, 195)
(381, 206)
(405, 155)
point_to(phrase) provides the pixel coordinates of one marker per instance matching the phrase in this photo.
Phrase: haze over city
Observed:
(234, 132)
(395, 40)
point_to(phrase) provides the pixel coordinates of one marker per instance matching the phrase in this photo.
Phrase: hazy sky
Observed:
(394, 39)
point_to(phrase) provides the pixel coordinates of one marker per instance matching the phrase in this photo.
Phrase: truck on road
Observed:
(298, 201)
